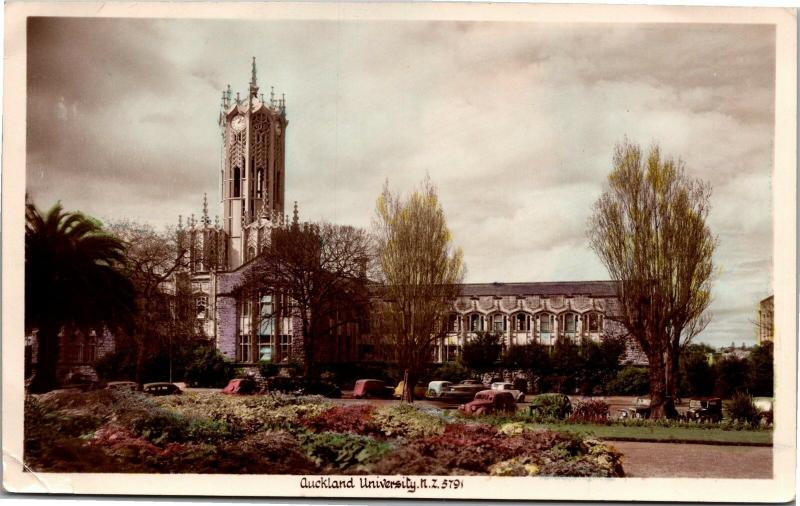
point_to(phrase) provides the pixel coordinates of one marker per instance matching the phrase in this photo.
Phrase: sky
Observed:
(515, 123)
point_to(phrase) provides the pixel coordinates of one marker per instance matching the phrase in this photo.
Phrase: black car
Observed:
(162, 389)
(705, 409)
(319, 388)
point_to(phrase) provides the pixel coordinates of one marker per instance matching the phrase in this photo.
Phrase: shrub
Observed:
(631, 380)
(352, 419)
(742, 409)
(407, 421)
(550, 406)
(593, 410)
(268, 369)
(209, 368)
(452, 371)
(342, 451)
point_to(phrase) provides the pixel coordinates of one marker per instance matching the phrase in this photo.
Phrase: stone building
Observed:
(765, 326)
(255, 327)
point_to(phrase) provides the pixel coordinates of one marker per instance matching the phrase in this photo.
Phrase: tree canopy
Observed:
(73, 281)
(649, 229)
(419, 272)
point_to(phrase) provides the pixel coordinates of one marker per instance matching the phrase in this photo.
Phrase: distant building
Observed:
(765, 326)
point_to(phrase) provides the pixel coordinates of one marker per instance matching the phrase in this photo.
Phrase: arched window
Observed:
(498, 323)
(594, 323)
(251, 253)
(546, 328)
(237, 182)
(453, 323)
(259, 183)
(570, 322)
(521, 322)
(476, 322)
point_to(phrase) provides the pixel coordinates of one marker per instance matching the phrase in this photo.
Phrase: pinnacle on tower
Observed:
(180, 221)
(295, 215)
(253, 81)
(272, 96)
(205, 218)
(265, 208)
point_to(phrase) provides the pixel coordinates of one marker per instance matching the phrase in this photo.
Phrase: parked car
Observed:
(162, 389)
(419, 391)
(319, 388)
(705, 409)
(372, 388)
(121, 385)
(437, 388)
(508, 387)
(641, 409)
(241, 386)
(488, 402)
(462, 392)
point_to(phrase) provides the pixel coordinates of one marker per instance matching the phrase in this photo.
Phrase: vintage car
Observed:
(241, 386)
(121, 385)
(437, 388)
(162, 389)
(372, 388)
(419, 391)
(504, 386)
(318, 388)
(462, 392)
(641, 409)
(705, 409)
(488, 402)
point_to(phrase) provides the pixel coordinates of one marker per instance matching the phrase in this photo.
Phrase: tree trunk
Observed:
(44, 375)
(140, 363)
(409, 380)
(661, 402)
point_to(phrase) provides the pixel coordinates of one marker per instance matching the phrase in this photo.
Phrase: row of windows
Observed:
(523, 322)
(266, 346)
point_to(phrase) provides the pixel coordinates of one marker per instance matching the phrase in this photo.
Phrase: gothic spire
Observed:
(265, 208)
(205, 218)
(253, 81)
(295, 215)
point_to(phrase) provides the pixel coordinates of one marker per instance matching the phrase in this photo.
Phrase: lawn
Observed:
(657, 433)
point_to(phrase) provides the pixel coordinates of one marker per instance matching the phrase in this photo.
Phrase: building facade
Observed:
(248, 328)
(765, 326)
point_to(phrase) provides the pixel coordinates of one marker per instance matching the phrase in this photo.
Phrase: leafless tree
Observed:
(321, 268)
(419, 274)
(649, 229)
(153, 259)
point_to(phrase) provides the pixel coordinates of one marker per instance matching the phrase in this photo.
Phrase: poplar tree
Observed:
(649, 229)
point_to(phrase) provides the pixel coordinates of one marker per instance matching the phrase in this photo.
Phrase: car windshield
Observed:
(483, 395)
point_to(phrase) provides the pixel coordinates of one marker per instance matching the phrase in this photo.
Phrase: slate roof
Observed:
(567, 288)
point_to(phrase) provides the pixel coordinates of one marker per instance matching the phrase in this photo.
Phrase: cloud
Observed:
(515, 123)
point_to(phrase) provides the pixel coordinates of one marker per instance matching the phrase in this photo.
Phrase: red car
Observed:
(372, 388)
(488, 402)
(241, 386)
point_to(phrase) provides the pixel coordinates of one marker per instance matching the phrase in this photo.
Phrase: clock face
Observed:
(238, 123)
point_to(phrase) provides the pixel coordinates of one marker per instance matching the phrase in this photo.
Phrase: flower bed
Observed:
(213, 433)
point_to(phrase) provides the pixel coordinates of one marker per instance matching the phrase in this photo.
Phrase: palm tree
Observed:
(72, 281)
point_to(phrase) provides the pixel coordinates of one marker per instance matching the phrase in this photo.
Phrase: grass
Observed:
(678, 434)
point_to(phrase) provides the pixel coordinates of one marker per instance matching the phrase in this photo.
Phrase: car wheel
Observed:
(521, 398)
(480, 412)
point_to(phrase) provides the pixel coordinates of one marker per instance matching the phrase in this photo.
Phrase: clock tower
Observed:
(252, 171)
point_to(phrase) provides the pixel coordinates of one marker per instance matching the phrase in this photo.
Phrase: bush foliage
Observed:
(109, 431)
(553, 406)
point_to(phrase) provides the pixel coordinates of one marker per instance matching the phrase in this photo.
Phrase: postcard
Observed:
(400, 250)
